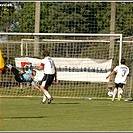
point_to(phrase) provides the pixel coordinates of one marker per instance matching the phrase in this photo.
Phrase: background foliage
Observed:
(67, 17)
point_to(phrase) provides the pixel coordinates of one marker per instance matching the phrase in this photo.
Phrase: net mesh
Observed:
(65, 17)
(70, 47)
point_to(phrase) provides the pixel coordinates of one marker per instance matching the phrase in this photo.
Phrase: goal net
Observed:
(83, 61)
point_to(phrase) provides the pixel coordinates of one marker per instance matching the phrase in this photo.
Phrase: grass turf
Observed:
(27, 114)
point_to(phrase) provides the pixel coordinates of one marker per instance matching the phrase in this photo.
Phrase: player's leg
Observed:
(50, 98)
(44, 89)
(13, 69)
(9, 66)
(44, 99)
(120, 91)
(115, 92)
(46, 94)
(18, 77)
(46, 82)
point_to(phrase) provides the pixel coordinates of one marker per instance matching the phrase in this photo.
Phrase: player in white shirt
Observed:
(122, 72)
(50, 73)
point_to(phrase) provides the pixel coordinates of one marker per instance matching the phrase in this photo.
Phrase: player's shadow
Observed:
(23, 117)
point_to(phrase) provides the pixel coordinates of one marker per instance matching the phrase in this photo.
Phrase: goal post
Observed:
(82, 61)
(71, 34)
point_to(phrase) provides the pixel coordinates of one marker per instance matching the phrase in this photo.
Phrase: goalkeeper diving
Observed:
(27, 76)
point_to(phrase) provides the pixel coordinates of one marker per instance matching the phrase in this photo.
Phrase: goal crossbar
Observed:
(60, 34)
(71, 34)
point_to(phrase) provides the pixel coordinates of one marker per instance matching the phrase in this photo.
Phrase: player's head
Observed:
(46, 53)
(33, 72)
(123, 61)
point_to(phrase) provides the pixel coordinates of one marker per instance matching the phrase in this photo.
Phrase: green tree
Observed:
(7, 11)
(44, 16)
(26, 17)
(124, 18)
(103, 16)
(66, 17)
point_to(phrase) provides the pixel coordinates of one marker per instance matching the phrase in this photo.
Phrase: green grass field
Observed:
(27, 114)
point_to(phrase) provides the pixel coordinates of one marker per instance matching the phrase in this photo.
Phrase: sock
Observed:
(44, 98)
(114, 93)
(120, 91)
(47, 94)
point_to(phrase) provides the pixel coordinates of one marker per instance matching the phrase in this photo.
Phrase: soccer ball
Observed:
(110, 93)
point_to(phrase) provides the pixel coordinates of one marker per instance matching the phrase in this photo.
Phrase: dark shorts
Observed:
(47, 80)
(119, 85)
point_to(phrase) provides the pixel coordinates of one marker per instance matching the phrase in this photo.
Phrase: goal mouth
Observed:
(83, 61)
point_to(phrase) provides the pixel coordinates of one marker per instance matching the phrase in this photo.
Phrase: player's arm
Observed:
(31, 76)
(40, 67)
(33, 82)
(112, 72)
(35, 86)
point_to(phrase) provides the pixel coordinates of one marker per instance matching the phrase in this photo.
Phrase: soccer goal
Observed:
(83, 61)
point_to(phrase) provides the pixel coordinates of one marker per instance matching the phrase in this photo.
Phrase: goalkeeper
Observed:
(27, 76)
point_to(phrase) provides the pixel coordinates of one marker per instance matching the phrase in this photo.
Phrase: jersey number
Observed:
(51, 63)
(123, 73)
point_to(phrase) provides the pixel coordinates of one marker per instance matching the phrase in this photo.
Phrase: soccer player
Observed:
(50, 73)
(27, 76)
(122, 72)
